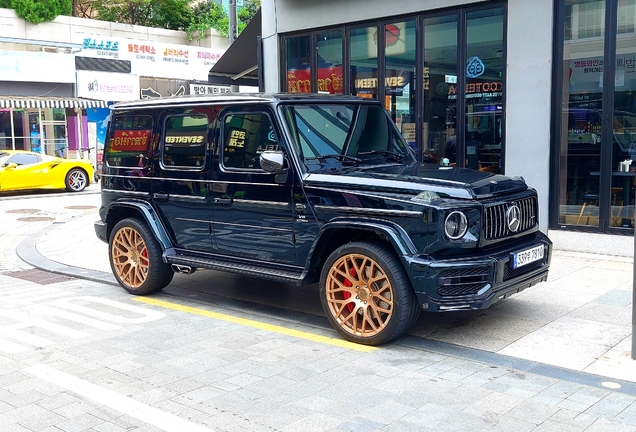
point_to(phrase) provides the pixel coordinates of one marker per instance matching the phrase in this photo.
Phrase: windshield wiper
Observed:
(340, 157)
(399, 157)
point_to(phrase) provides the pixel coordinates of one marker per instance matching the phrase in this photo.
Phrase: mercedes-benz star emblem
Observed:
(512, 217)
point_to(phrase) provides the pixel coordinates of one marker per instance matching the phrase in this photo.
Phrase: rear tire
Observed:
(135, 258)
(76, 180)
(366, 293)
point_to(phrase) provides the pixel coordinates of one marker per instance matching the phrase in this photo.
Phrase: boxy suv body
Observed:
(309, 188)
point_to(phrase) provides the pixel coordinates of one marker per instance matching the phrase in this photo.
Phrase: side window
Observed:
(184, 141)
(129, 141)
(245, 137)
(24, 159)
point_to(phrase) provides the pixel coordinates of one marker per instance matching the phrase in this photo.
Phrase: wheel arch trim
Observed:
(150, 217)
(397, 236)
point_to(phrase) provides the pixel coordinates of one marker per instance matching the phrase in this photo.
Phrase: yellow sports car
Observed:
(20, 170)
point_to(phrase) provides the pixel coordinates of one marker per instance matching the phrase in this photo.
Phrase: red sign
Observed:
(329, 80)
(130, 140)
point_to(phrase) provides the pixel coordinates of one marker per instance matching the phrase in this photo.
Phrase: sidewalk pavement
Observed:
(579, 320)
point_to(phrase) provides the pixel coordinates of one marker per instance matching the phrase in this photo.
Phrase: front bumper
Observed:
(101, 230)
(478, 281)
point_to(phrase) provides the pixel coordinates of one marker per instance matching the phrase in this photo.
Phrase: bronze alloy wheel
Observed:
(130, 257)
(136, 258)
(359, 295)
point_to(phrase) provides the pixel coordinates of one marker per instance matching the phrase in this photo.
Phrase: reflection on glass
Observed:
(439, 85)
(399, 83)
(624, 123)
(329, 46)
(484, 89)
(298, 68)
(583, 57)
(364, 62)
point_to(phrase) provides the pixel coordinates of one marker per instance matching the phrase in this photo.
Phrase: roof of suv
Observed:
(239, 97)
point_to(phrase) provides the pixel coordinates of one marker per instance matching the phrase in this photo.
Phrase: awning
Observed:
(239, 64)
(49, 102)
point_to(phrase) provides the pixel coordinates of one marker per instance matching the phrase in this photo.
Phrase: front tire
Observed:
(135, 258)
(76, 180)
(366, 294)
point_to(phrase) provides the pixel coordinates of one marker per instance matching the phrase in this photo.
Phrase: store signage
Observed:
(28, 66)
(586, 75)
(366, 83)
(482, 89)
(475, 67)
(237, 139)
(207, 89)
(130, 140)
(150, 93)
(184, 140)
(107, 86)
(104, 47)
(329, 80)
(154, 59)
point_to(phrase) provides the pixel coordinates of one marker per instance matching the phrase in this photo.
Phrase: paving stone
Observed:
(493, 405)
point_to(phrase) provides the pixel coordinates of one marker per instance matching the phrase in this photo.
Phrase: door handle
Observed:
(160, 197)
(223, 201)
(301, 207)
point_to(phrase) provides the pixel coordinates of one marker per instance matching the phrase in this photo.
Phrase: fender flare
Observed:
(150, 217)
(398, 238)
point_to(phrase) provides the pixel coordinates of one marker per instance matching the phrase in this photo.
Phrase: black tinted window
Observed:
(129, 141)
(184, 141)
(245, 137)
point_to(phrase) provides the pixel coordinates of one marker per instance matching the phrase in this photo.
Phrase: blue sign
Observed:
(475, 67)
(106, 45)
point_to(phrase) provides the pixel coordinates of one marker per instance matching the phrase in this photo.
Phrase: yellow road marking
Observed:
(257, 324)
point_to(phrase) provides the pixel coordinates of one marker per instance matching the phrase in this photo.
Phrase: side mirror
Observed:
(273, 162)
(11, 165)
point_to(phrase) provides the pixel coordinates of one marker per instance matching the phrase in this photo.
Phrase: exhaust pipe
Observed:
(183, 269)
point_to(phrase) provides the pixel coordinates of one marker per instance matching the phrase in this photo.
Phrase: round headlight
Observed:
(455, 225)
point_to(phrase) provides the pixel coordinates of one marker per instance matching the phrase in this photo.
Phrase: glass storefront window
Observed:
(399, 85)
(581, 115)
(484, 89)
(5, 130)
(624, 122)
(363, 45)
(298, 67)
(329, 47)
(439, 87)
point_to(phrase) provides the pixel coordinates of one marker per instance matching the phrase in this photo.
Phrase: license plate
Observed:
(527, 256)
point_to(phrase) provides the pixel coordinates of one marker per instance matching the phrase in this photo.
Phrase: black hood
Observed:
(445, 181)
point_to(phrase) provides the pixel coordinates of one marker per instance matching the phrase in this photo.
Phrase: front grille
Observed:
(496, 218)
(462, 281)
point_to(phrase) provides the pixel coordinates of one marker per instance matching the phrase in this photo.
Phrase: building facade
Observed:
(540, 89)
(58, 78)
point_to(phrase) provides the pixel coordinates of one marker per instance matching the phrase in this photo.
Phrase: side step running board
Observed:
(244, 269)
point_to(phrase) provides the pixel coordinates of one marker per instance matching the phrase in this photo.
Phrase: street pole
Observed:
(233, 30)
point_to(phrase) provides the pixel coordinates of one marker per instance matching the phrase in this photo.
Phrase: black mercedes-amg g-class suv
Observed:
(311, 188)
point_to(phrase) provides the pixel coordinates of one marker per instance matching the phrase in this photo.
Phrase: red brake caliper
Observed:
(348, 284)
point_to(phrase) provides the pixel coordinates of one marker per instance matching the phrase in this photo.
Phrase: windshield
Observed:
(336, 134)
(4, 157)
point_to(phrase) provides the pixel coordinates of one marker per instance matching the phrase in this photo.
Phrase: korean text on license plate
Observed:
(527, 256)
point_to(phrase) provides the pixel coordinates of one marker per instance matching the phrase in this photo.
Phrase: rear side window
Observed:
(184, 141)
(129, 141)
(245, 137)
